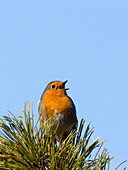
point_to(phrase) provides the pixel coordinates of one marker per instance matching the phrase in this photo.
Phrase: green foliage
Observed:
(29, 145)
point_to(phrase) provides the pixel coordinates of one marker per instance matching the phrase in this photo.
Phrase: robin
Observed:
(55, 101)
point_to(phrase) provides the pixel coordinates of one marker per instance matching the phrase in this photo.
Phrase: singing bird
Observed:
(55, 101)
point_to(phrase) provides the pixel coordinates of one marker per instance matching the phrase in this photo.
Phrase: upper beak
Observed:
(62, 86)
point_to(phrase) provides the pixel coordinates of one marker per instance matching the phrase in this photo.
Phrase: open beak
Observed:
(62, 86)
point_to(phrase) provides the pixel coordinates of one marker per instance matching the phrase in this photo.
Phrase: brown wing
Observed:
(42, 110)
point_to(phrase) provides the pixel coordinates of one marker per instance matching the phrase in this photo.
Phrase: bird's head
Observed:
(56, 88)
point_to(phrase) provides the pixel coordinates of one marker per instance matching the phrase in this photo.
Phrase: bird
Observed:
(55, 101)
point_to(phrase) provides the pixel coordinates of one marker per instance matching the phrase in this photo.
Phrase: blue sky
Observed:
(85, 42)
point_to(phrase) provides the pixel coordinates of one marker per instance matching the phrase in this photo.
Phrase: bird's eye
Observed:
(53, 86)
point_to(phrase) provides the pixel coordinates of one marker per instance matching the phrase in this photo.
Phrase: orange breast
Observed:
(56, 104)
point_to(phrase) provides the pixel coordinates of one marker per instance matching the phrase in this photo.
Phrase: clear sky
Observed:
(83, 41)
